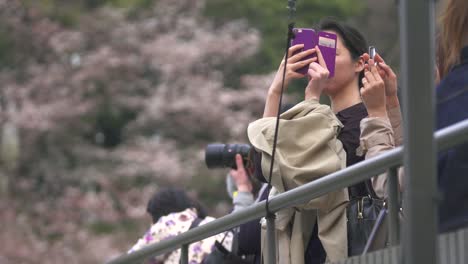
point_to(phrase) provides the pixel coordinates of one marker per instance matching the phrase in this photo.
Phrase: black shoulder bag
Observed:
(362, 214)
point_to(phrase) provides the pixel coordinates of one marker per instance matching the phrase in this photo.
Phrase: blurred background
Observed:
(102, 102)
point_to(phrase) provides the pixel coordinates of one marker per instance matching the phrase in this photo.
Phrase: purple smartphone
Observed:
(326, 42)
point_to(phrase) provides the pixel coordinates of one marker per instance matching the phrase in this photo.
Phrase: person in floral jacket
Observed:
(173, 213)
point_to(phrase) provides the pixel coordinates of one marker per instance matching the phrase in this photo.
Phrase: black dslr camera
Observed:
(224, 155)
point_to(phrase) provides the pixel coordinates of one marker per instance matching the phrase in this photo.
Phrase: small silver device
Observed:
(371, 52)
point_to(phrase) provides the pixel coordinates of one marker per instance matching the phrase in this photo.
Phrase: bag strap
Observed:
(370, 189)
(195, 222)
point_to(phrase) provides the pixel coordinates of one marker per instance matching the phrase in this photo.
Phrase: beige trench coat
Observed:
(379, 135)
(307, 149)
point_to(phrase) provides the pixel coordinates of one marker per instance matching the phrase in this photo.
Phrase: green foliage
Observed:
(109, 118)
(106, 227)
(6, 48)
(54, 236)
(101, 227)
(110, 122)
(68, 12)
(271, 18)
(130, 3)
(210, 186)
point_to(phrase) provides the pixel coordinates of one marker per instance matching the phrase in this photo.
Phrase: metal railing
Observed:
(445, 139)
(417, 81)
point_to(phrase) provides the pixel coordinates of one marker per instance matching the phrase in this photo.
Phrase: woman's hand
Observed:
(389, 78)
(373, 91)
(240, 176)
(317, 74)
(295, 62)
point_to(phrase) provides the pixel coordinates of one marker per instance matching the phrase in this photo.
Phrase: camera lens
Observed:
(224, 155)
(213, 155)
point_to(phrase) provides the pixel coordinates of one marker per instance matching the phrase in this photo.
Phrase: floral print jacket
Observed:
(175, 224)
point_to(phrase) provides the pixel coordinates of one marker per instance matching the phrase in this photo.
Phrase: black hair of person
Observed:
(351, 38)
(172, 200)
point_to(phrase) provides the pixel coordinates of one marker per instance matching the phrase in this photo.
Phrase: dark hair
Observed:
(351, 38)
(171, 200)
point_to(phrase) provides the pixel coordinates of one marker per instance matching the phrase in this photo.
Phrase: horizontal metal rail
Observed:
(445, 138)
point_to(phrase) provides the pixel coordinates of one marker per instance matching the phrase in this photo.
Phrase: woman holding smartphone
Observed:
(344, 92)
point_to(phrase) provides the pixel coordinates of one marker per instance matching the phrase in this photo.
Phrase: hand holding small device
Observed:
(387, 75)
(373, 87)
(371, 52)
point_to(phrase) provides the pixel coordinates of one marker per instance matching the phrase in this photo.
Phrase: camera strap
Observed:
(270, 216)
(292, 10)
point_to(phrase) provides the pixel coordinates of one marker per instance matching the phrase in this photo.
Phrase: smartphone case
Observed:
(326, 42)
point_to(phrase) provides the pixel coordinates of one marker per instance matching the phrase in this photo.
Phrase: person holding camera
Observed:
(248, 189)
(241, 184)
(249, 234)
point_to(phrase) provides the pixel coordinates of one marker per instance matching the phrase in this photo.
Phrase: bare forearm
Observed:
(271, 104)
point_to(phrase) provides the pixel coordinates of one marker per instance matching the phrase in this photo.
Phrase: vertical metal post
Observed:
(184, 254)
(393, 207)
(270, 255)
(417, 68)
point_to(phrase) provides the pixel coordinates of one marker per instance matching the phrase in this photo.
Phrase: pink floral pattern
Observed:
(175, 224)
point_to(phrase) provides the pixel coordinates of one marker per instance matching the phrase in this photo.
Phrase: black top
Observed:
(250, 235)
(351, 118)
